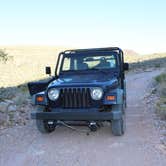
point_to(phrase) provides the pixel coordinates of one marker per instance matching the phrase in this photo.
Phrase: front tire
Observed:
(42, 125)
(117, 127)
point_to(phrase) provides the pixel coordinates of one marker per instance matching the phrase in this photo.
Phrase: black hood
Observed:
(97, 79)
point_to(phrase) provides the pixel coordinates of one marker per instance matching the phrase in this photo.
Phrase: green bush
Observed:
(161, 104)
(161, 78)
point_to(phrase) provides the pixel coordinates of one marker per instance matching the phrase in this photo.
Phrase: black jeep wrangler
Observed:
(88, 88)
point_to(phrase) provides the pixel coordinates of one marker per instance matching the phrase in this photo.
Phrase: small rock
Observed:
(153, 90)
(3, 106)
(22, 110)
(27, 118)
(163, 132)
(16, 117)
(12, 108)
(9, 101)
(163, 141)
(3, 118)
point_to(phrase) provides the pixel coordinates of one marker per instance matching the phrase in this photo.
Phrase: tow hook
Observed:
(93, 126)
(51, 123)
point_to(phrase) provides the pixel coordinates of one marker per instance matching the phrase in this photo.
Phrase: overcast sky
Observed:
(139, 25)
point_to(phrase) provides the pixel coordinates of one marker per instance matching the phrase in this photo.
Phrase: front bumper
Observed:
(77, 114)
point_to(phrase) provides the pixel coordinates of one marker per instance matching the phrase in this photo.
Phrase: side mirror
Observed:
(48, 70)
(125, 66)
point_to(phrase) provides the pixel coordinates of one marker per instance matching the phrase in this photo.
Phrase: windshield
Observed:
(75, 62)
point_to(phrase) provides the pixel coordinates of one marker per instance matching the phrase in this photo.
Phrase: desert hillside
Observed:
(26, 63)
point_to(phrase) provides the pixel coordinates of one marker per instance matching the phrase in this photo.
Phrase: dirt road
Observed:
(140, 146)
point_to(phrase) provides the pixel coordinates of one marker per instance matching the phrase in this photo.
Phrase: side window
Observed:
(66, 64)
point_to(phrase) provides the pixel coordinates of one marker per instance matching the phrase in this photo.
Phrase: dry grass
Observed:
(28, 64)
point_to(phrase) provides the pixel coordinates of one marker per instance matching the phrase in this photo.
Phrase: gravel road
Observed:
(140, 146)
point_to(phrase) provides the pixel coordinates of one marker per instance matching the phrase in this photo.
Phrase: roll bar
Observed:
(73, 51)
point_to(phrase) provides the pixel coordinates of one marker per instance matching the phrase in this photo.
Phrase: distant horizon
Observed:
(72, 47)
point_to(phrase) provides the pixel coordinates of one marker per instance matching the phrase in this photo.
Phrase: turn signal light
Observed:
(110, 97)
(40, 98)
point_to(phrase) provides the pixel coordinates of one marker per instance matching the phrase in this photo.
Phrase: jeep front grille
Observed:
(75, 97)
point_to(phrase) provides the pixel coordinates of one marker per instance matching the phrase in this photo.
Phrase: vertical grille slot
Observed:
(75, 97)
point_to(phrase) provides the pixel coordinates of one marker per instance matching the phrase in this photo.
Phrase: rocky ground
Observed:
(151, 99)
(142, 144)
(12, 114)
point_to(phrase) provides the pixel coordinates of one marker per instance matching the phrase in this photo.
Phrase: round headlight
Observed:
(96, 93)
(53, 94)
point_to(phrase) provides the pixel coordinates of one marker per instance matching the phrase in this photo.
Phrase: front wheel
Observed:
(118, 126)
(42, 125)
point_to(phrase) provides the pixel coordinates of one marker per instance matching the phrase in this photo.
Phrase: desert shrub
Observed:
(8, 93)
(11, 92)
(18, 94)
(3, 56)
(161, 104)
(162, 89)
(161, 78)
(161, 108)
